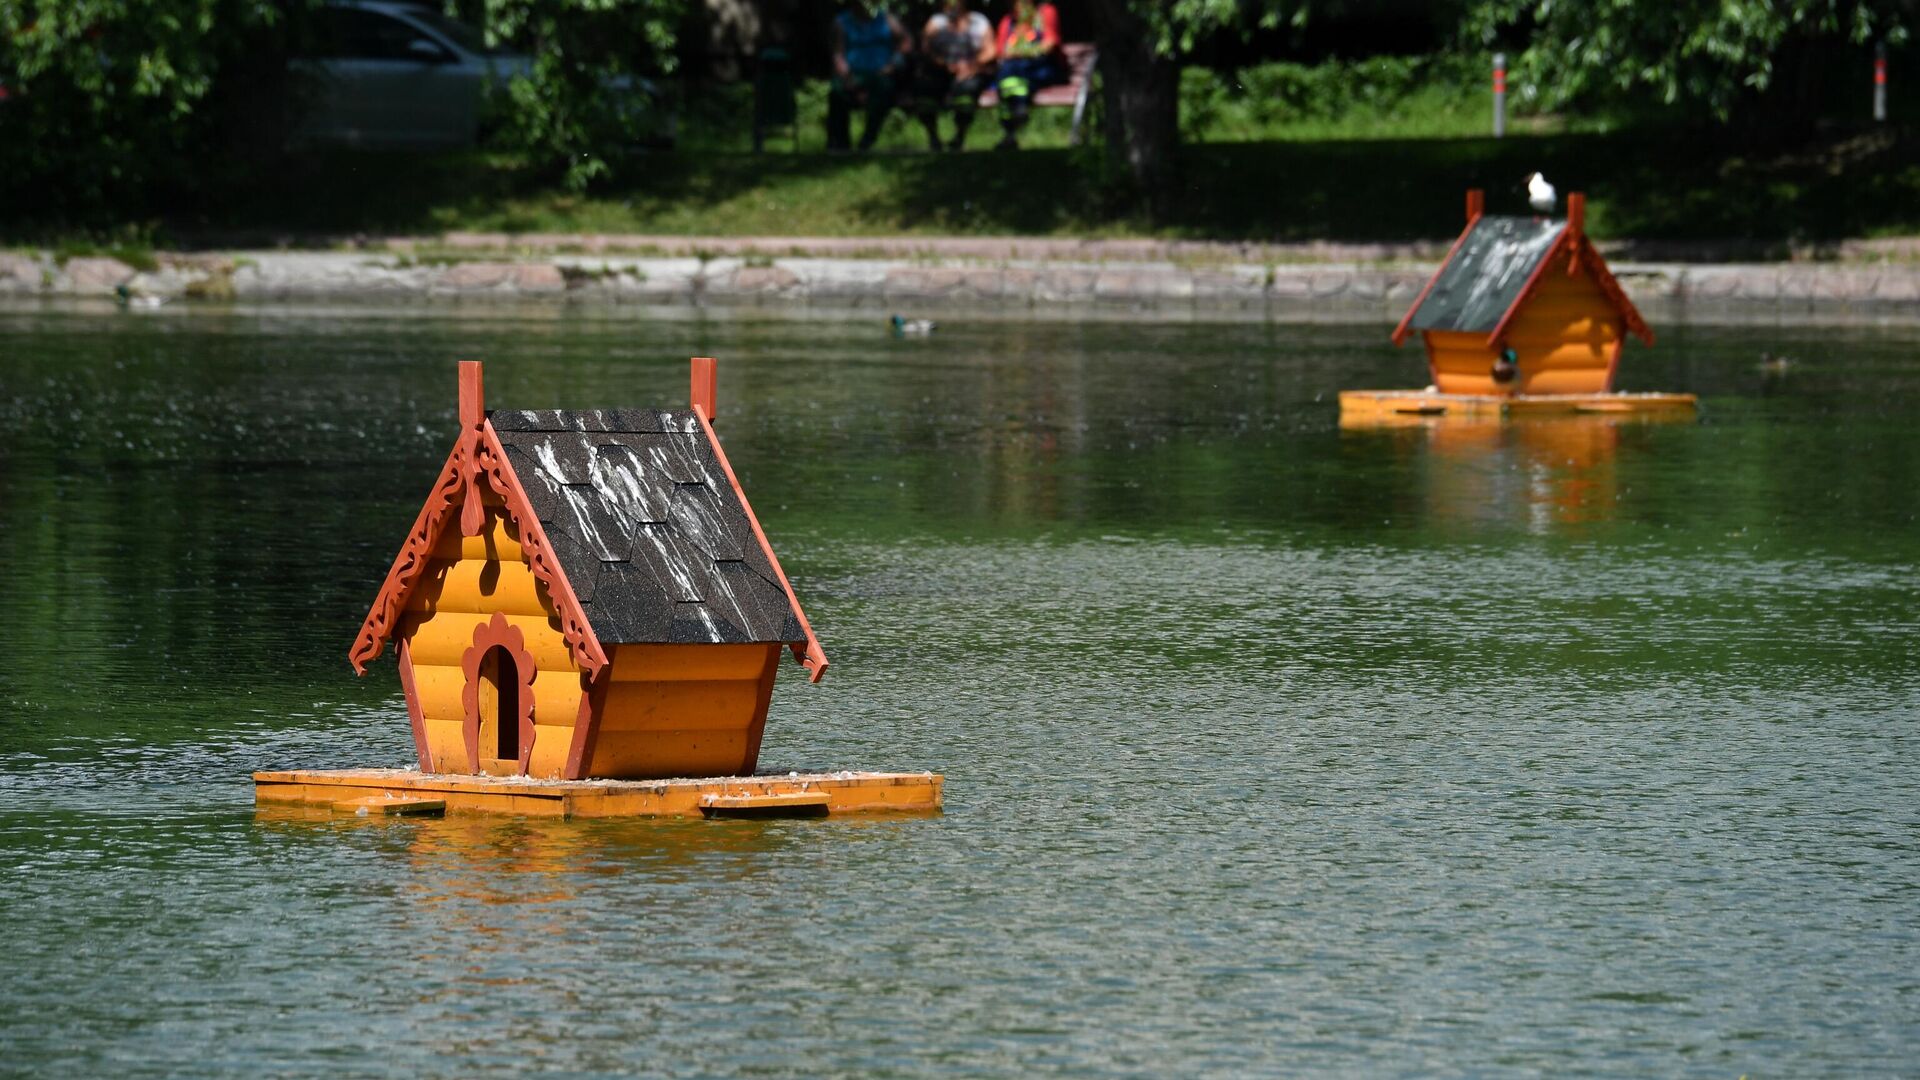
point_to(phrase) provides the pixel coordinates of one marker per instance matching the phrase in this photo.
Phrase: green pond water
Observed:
(1271, 748)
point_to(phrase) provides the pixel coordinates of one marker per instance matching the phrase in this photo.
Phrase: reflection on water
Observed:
(1536, 473)
(1271, 748)
(483, 883)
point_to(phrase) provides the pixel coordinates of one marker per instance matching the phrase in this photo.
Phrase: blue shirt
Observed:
(869, 44)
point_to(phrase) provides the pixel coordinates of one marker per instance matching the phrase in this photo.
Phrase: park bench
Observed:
(774, 108)
(1081, 56)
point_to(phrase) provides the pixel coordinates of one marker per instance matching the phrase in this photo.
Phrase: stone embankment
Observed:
(1028, 277)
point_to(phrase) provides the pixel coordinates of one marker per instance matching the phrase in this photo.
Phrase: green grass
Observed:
(1647, 186)
(1383, 97)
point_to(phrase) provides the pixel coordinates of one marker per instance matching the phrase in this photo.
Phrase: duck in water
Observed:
(136, 300)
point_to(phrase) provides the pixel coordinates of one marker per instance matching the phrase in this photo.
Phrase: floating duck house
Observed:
(1523, 315)
(587, 594)
(588, 620)
(1523, 305)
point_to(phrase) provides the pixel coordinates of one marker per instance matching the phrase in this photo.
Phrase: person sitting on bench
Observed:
(870, 49)
(1030, 58)
(956, 56)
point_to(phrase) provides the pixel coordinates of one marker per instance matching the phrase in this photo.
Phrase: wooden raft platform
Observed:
(1397, 405)
(359, 791)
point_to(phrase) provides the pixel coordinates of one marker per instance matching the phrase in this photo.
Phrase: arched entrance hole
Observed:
(500, 705)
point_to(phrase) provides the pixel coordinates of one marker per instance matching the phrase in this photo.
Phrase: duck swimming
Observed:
(136, 301)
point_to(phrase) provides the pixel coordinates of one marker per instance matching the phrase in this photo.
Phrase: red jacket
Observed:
(1026, 39)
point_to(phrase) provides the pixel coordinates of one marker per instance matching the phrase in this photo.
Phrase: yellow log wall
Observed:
(1462, 363)
(470, 578)
(681, 710)
(1565, 336)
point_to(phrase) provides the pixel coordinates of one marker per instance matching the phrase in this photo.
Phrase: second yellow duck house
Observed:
(1523, 306)
(587, 594)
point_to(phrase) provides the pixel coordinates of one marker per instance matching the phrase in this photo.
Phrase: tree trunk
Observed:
(1141, 98)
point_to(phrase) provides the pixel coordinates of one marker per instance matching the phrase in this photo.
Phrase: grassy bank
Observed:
(1679, 187)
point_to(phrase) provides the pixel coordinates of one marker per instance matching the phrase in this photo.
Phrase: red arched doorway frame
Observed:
(498, 633)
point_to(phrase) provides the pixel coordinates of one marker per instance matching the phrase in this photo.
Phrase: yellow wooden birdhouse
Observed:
(587, 594)
(1523, 305)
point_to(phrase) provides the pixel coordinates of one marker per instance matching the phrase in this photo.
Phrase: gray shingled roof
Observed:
(1484, 277)
(652, 537)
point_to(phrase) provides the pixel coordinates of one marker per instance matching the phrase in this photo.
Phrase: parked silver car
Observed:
(395, 74)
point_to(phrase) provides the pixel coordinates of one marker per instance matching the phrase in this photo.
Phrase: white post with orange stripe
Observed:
(1880, 83)
(1499, 95)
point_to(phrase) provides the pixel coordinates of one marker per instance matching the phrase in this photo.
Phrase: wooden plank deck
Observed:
(846, 792)
(1402, 406)
(783, 804)
(392, 805)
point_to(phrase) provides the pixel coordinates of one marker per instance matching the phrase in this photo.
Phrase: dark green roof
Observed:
(651, 534)
(1478, 285)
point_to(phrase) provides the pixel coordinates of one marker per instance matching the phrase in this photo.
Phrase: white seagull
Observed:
(1539, 193)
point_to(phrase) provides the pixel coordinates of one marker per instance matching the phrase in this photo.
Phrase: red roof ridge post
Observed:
(705, 392)
(1476, 204)
(473, 398)
(1576, 229)
(1580, 252)
(811, 655)
(473, 415)
(1583, 253)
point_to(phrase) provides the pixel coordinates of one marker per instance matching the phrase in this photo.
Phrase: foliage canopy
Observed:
(108, 101)
(115, 100)
(1704, 54)
(105, 94)
(585, 97)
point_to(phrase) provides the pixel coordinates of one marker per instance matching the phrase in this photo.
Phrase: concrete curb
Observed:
(1212, 287)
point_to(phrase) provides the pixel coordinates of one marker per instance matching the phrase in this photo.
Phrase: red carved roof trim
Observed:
(391, 600)
(1580, 252)
(581, 640)
(1603, 276)
(811, 655)
(477, 458)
